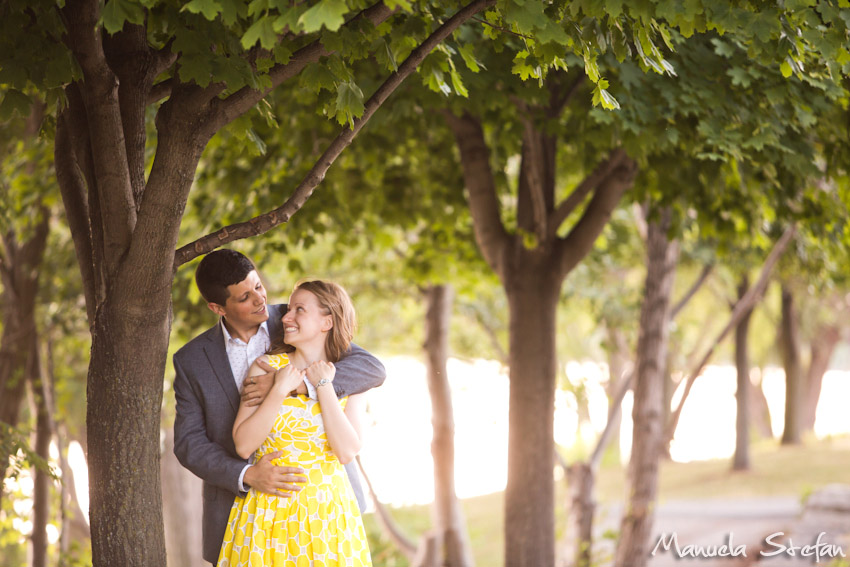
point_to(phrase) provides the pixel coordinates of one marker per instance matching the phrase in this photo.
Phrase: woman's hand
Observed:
(287, 379)
(320, 370)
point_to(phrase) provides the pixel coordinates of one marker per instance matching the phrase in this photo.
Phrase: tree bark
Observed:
(530, 533)
(741, 459)
(44, 433)
(447, 545)
(581, 479)
(790, 346)
(632, 550)
(823, 345)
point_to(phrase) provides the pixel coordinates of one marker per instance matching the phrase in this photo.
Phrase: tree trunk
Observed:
(44, 433)
(741, 459)
(632, 550)
(581, 478)
(760, 411)
(20, 267)
(530, 530)
(619, 366)
(447, 545)
(790, 343)
(123, 422)
(823, 345)
(181, 499)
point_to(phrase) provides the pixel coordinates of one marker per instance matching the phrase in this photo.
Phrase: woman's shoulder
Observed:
(276, 360)
(273, 360)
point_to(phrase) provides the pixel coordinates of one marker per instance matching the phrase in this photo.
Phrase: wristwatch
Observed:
(322, 382)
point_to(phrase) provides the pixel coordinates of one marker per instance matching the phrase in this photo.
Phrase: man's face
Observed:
(245, 307)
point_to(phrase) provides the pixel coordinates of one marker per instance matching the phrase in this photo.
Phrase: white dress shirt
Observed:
(241, 356)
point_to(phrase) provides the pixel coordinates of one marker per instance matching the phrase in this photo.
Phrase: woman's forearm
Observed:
(250, 432)
(343, 437)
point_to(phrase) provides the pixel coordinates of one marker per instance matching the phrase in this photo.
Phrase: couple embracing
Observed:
(270, 406)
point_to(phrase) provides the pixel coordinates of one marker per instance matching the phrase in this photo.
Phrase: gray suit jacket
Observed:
(207, 402)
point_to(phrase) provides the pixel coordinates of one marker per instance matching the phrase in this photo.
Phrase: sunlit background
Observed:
(397, 456)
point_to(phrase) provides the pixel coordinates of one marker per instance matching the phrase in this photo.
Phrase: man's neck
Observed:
(241, 334)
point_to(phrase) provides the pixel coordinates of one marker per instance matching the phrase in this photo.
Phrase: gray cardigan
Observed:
(207, 402)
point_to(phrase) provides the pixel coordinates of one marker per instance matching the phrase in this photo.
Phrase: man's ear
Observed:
(217, 309)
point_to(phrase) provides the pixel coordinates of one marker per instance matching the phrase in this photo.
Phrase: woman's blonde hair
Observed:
(335, 302)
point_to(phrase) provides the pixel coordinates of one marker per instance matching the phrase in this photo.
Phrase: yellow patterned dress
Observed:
(318, 527)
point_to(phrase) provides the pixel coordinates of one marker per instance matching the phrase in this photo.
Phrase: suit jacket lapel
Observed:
(217, 356)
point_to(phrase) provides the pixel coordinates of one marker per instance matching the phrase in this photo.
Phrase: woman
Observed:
(321, 524)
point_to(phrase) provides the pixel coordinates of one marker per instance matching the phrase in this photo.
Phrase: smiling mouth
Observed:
(290, 329)
(260, 311)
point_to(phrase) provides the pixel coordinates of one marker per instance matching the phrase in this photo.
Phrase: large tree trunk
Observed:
(790, 346)
(447, 545)
(741, 459)
(530, 528)
(632, 549)
(823, 345)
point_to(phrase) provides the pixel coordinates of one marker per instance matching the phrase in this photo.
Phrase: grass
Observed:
(776, 471)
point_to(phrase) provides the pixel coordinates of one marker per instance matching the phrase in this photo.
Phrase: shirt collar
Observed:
(264, 328)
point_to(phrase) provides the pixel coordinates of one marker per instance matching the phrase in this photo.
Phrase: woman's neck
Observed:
(306, 355)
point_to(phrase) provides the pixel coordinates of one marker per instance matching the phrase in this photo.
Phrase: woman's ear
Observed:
(328, 323)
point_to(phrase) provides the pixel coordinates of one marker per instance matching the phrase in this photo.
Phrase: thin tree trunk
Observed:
(823, 345)
(741, 459)
(790, 343)
(760, 411)
(447, 545)
(581, 478)
(44, 433)
(619, 367)
(632, 549)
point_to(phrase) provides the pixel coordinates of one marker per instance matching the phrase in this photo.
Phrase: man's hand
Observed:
(256, 388)
(272, 479)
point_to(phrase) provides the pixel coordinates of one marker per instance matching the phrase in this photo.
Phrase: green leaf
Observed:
(327, 13)
(457, 83)
(263, 31)
(15, 100)
(208, 8)
(468, 58)
(785, 69)
(349, 100)
(116, 12)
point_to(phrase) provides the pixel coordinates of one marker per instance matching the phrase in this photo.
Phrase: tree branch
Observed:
(570, 250)
(100, 94)
(72, 187)
(532, 181)
(745, 304)
(706, 270)
(302, 192)
(558, 103)
(226, 110)
(602, 172)
(490, 233)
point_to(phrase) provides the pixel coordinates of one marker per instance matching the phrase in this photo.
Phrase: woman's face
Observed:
(305, 321)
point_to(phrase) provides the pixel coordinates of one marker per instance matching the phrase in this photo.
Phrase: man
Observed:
(210, 371)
